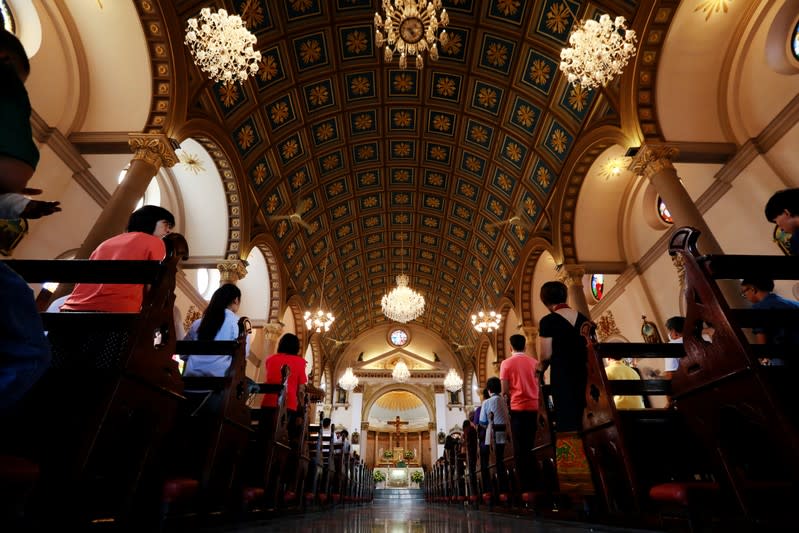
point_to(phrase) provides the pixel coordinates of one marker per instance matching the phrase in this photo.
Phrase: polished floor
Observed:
(407, 516)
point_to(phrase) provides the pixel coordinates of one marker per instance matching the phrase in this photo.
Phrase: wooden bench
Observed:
(81, 417)
(744, 412)
(633, 451)
(201, 460)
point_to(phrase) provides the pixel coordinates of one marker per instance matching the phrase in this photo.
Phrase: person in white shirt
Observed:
(494, 412)
(674, 327)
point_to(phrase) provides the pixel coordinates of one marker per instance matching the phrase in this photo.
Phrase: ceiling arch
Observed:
(385, 156)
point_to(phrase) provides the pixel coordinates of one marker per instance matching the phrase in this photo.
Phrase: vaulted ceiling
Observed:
(403, 170)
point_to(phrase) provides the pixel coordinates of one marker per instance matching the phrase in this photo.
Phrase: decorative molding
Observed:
(153, 148)
(415, 374)
(232, 271)
(653, 158)
(606, 326)
(603, 267)
(572, 275)
(100, 142)
(704, 152)
(66, 151)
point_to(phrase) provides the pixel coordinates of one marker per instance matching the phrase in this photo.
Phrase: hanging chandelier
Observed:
(410, 28)
(597, 52)
(221, 46)
(401, 374)
(486, 321)
(348, 381)
(320, 320)
(402, 304)
(453, 382)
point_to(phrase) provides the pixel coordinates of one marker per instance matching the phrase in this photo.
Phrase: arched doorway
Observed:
(399, 422)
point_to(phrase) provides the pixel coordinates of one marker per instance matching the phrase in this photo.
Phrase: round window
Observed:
(398, 337)
(663, 212)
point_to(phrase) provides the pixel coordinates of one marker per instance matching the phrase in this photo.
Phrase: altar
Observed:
(399, 477)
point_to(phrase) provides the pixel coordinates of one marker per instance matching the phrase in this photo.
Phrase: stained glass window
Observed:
(598, 286)
(795, 41)
(663, 212)
(398, 337)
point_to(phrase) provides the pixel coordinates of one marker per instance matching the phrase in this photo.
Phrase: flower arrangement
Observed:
(388, 454)
(379, 476)
(408, 454)
(417, 476)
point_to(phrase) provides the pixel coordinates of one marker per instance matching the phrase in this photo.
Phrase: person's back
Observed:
(288, 350)
(142, 241)
(619, 370)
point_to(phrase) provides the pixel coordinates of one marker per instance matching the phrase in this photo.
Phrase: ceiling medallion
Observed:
(453, 382)
(401, 374)
(221, 46)
(597, 52)
(410, 28)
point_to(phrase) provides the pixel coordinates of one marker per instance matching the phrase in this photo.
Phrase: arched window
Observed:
(663, 212)
(597, 286)
(795, 41)
(207, 281)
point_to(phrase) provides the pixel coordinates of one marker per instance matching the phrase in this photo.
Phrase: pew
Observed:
(85, 413)
(633, 452)
(743, 412)
(200, 462)
(269, 446)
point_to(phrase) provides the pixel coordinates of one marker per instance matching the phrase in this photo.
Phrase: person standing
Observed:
(520, 387)
(759, 292)
(564, 350)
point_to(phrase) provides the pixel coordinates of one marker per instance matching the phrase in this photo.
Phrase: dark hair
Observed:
(677, 323)
(761, 284)
(786, 199)
(553, 293)
(214, 315)
(345, 433)
(12, 46)
(517, 342)
(326, 422)
(486, 394)
(494, 385)
(289, 343)
(145, 218)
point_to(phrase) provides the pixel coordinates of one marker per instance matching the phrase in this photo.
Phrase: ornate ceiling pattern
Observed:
(404, 170)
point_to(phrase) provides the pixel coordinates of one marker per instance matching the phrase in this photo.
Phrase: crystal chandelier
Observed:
(452, 381)
(410, 28)
(221, 46)
(348, 381)
(401, 374)
(402, 304)
(486, 321)
(320, 319)
(597, 52)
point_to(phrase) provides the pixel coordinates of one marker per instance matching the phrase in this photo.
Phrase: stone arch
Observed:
(524, 289)
(295, 306)
(583, 156)
(483, 343)
(416, 390)
(319, 366)
(266, 244)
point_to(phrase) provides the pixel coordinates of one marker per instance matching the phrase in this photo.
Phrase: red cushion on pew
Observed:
(251, 494)
(503, 497)
(289, 496)
(309, 496)
(179, 489)
(680, 492)
(486, 497)
(15, 469)
(323, 497)
(473, 498)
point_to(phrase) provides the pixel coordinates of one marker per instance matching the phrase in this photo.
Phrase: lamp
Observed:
(486, 320)
(597, 52)
(221, 46)
(348, 381)
(453, 382)
(401, 374)
(320, 319)
(410, 28)
(402, 304)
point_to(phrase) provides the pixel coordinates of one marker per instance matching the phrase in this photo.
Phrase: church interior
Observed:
(329, 177)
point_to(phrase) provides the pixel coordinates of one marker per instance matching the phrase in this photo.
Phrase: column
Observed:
(272, 332)
(654, 162)
(434, 455)
(572, 276)
(231, 271)
(151, 151)
(531, 340)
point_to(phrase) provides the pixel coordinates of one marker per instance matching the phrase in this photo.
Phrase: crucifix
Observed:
(397, 423)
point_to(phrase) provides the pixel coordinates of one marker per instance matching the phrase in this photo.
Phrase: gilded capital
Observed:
(273, 331)
(572, 275)
(530, 332)
(232, 271)
(153, 148)
(653, 158)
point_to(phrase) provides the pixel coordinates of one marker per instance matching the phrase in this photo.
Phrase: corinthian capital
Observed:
(652, 158)
(232, 271)
(273, 330)
(572, 275)
(153, 148)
